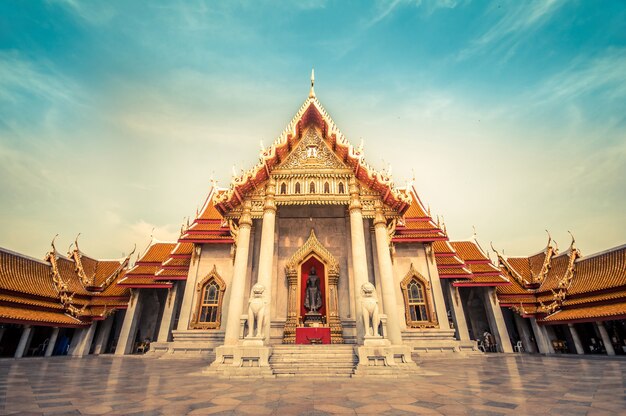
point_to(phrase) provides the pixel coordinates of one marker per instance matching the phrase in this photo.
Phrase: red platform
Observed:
(304, 335)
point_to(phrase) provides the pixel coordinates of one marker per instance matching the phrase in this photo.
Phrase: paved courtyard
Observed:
(493, 385)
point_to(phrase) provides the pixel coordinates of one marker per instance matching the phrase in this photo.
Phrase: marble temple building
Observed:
(313, 246)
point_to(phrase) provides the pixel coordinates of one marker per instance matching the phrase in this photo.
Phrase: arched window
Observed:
(209, 292)
(297, 188)
(416, 301)
(341, 189)
(283, 188)
(312, 187)
(417, 304)
(326, 188)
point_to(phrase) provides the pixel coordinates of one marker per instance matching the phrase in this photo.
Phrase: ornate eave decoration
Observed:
(312, 245)
(564, 284)
(311, 112)
(506, 267)
(545, 267)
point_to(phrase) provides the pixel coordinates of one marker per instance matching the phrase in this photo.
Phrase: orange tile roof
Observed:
(27, 284)
(157, 252)
(208, 238)
(453, 272)
(450, 261)
(589, 313)
(165, 274)
(468, 251)
(595, 297)
(177, 263)
(443, 248)
(142, 270)
(30, 301)
(139, 282)
(40, 317)
(182, 249)
(483, 268)
(605, 270)
(24, 274)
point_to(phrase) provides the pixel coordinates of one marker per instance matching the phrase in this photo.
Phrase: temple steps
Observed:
(313, 360)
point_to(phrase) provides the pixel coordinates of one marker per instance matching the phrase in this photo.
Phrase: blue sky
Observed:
(115, 115)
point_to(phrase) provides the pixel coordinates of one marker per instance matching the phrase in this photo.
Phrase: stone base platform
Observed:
(438, 342)
(378, 358)
(189, 344)
(248, 360)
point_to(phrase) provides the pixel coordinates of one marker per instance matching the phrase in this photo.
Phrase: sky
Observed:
(116, 115)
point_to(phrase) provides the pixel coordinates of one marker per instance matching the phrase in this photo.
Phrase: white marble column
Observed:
(83, 344)
(126, 340)
(266, 252)
(22, 346)
(542, 341)
(458, 314)
(103, 335)
(435, 284)
(359, 256)
(524, 333)
(577, 344)
(605, 338)
(390, 305)
(238, 285)
(190, 289)
(550, 336)
(51, 342)
(169, 309)
(496, 320)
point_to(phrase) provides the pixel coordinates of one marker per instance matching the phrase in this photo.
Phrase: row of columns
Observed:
(544, 335)
(266, 257)
(81, 341)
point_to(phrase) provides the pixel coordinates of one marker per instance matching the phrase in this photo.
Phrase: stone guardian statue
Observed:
(369, 309)
(256, 312)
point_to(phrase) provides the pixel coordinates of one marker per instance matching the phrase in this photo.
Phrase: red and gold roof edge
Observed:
(311, 112)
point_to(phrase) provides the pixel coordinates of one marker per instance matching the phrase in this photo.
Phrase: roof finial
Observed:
(312, 92)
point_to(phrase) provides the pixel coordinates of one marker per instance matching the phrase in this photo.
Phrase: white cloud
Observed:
(521, 18)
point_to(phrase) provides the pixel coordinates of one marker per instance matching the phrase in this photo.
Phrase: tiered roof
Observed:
(482, 271)
(209, 227)
(565, 287)
(60, 291)
(449, 264)
(312, 113)
(143, 273)
(417, 225)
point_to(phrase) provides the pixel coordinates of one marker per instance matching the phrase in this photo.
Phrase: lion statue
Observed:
(369, 308)
(256, 311)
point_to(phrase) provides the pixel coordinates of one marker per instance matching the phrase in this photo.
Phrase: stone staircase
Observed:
(325, 361)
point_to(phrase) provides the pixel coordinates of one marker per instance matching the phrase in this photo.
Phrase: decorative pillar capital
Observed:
(246, 217)
(355, 201)
(270, 191)
(379, 217)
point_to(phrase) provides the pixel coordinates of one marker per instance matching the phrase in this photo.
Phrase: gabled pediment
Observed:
(312, 126)
(311, 153)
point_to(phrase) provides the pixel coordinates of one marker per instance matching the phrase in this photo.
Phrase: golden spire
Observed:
(312, 92)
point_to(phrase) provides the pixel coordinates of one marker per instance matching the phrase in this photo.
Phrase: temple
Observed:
(313, 262)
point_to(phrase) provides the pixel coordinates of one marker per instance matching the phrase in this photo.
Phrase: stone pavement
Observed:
(491, 385)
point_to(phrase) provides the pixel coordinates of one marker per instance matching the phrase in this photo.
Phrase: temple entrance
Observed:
(313, 293)
(313, 325)
(312, 275)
